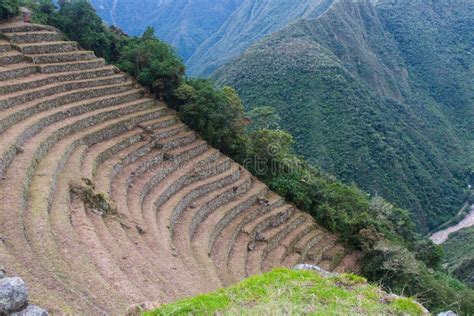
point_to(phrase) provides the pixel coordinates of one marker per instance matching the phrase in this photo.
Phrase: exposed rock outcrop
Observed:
(314, 268)
(13, 295)
(14, 299)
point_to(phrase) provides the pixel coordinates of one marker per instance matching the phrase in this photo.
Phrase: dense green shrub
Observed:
(216, 114)
(8, 9)
(154, 63)
(399, 271)
(459, 259)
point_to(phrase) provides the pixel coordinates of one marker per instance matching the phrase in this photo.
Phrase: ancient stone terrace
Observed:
(107, 199)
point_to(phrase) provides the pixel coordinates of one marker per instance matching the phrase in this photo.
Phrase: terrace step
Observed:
(312, 249)
(316, 254)
(301, 244)
(135, 211)
(157, 179)
(45, 192)
(18, 137)
(275, 239)
(274, 257)
(268, 240)
(65, 223)
(33, 154)
(32, 37)
(58, 104)
(332, 257)
(5, 46)
(38, 80)
(274, 218)
(10, 58)
(225, 238)
(204, 231)
(10, 72)
(98, 154)
(56, 88)
(54, 159)
(292, 260)
(53, 58)
(21, 27)
(201, 209)
(169, 214)
(71, 66)
(127, 156)
(47, 47)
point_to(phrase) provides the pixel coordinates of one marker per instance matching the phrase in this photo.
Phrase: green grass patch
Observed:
(289, 292)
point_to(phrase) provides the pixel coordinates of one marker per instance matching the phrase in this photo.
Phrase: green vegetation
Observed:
(216, 114)
(183, 24)
(394, 254)
(287, 292)
(154, 64)
(251, 21)
(8, 9)
(459, 259)
(347, 87)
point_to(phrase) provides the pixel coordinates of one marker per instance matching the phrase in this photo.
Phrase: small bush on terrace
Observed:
(154, 64)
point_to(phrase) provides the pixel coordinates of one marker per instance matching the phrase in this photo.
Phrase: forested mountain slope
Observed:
(460, 255)
(368, 97)
(436, 39)
(208, 33)
(249, 23)
(183, 23)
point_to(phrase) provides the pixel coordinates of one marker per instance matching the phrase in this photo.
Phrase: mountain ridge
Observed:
(205, 44)
(251, 22)
(167, 17)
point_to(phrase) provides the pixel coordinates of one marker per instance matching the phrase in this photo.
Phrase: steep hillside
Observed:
(436, 41)
(249, 23)
(347, 90)
(460, 255)
(207, 33)
(184, 23)
(286, 292)
(108, 199)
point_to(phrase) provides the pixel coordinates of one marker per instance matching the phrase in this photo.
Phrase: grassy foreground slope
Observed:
(347, 93)
(287, 292)
(459, 251)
